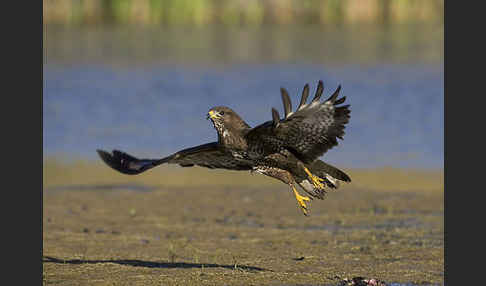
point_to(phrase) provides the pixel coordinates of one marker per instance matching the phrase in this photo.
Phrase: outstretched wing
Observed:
(309, 131)
(209, 155)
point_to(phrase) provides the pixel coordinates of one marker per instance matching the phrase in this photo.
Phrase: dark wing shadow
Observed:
(150, 264)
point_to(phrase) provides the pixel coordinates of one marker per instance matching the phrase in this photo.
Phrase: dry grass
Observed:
(206, 227)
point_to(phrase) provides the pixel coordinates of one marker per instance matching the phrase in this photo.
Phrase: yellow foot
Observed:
(316, 181)
(301, 200)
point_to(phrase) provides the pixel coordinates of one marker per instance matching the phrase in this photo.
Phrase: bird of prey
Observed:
(283, 148)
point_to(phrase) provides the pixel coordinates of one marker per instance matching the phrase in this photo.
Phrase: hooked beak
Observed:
(213, 115)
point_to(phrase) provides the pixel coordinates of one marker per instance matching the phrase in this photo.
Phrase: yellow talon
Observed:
(301, 200)
(316, 181)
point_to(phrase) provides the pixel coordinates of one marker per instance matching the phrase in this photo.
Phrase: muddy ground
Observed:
(192, 226)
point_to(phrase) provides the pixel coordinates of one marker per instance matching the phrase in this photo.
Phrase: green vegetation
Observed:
(131, 46)
(235, 12)
(210, 227)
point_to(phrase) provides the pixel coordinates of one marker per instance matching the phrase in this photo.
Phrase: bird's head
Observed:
(225, 120)
(221, 116)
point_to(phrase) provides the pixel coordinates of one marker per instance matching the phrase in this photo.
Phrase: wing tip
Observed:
(105, 156)
(118, 161)
(334, 95)
(287, 103)
(275, 117)
(319, 90)
(109, 159)
(305, 94)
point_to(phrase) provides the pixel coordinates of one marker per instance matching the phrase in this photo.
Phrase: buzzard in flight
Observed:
(283, 148)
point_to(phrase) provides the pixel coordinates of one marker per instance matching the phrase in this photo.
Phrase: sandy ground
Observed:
(192, 226)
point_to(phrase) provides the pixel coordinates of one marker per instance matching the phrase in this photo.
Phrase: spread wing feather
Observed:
(319, 90)
(305, 94)
(309, 131)
(286, 102)
(209, 155)
(276, 117)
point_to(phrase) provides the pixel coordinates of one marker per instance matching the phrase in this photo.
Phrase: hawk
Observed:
(285, 148)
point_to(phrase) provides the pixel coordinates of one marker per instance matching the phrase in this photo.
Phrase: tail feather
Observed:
(322, 169)
(332, 175)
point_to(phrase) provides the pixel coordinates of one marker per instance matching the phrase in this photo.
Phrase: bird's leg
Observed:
(286, 177)
(316, 181)
(301, 200)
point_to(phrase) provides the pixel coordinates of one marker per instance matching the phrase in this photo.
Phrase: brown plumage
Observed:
(283, 148)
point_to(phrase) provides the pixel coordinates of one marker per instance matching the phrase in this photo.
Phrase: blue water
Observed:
(397, 116)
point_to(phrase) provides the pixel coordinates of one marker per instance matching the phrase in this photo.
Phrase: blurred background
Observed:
(140, 75)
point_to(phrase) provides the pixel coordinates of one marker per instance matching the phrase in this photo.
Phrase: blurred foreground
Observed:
(193, 226)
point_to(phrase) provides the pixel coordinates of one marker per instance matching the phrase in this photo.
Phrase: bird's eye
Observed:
(222, 113)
